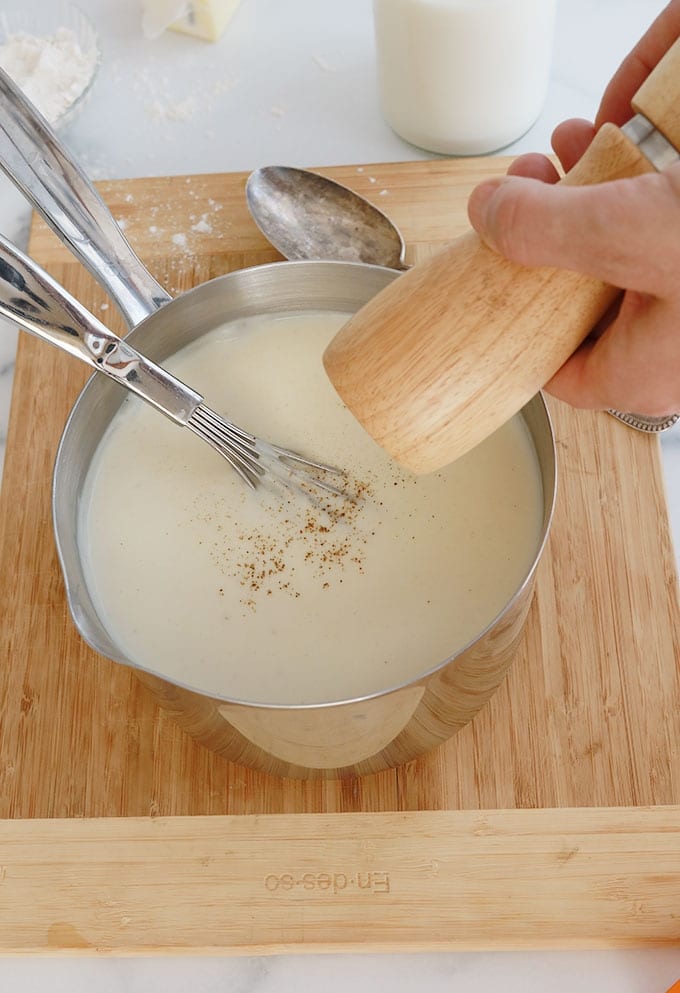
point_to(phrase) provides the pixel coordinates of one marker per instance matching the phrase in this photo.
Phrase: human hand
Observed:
(624, 232)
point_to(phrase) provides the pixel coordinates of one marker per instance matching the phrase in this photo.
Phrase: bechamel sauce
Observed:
(268, 600)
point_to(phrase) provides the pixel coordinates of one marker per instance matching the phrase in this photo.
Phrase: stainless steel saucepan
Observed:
(343, 738)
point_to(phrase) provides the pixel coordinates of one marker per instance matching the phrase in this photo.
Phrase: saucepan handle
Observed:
(38, 164)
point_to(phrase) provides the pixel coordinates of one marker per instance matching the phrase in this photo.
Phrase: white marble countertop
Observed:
(293, 83)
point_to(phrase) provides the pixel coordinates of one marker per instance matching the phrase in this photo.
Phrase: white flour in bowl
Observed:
(53, 72)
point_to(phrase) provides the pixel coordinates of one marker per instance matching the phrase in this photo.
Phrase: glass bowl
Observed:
(52, 51)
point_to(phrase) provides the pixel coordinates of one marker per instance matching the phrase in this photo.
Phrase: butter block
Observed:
(206, 18)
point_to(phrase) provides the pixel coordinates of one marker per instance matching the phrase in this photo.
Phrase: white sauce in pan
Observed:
(262, 597)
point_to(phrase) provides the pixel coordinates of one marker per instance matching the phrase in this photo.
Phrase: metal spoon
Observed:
(307, 216)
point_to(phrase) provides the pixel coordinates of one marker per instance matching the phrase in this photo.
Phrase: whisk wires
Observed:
(256, 460)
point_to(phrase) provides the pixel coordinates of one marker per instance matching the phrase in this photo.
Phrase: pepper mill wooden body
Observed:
(453, 348)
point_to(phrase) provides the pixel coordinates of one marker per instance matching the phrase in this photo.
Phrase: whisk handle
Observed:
(32, 156)
(37, 303)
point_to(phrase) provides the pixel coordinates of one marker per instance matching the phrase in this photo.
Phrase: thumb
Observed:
(621, 232)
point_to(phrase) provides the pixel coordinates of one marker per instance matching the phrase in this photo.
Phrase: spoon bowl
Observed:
(308, 216)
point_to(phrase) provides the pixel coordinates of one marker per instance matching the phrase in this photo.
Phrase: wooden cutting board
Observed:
(552, 820)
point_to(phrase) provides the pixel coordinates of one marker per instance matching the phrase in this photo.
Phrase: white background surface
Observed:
(292, 82)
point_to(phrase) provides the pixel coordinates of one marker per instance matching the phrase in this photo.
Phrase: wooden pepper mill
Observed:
(452, 349)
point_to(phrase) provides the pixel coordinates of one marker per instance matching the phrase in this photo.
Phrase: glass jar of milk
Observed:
(463, 77)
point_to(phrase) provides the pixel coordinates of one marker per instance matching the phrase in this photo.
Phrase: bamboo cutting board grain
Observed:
(553, 819)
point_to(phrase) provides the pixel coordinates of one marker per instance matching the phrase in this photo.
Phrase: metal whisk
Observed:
(38, 304)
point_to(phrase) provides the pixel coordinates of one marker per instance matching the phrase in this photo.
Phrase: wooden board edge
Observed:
(441, 880)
